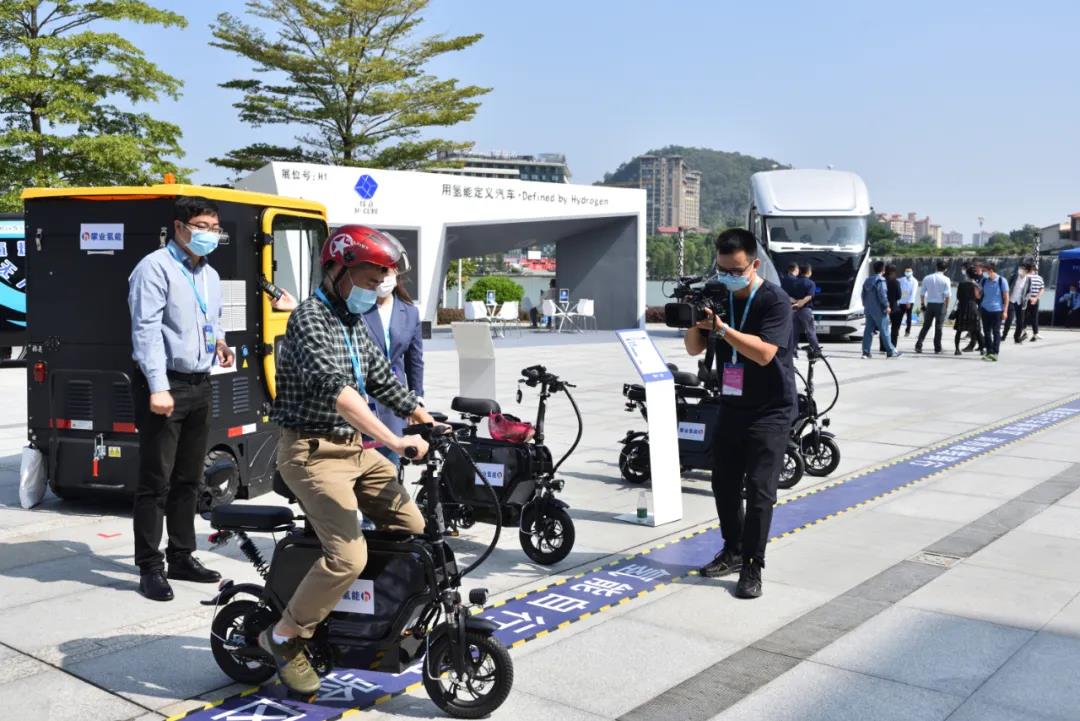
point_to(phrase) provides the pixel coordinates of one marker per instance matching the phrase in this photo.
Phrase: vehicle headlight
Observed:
(856, 316)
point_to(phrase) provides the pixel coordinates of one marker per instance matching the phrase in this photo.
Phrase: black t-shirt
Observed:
(893, 292)
(767, 390)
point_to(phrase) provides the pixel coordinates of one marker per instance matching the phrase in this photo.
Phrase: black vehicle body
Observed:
(698, 411)
(415, 605)
(821, 453)
(522, 474)
(81, 399)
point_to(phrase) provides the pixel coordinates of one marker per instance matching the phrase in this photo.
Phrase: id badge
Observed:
(209, 337)
(732, 382)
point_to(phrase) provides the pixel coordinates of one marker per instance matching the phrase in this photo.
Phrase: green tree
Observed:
(468, 270)
(881, 238)
(352, 74)
(505, 289)
(60, 78)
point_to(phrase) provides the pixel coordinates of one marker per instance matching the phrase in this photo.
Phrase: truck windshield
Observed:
(846, 233)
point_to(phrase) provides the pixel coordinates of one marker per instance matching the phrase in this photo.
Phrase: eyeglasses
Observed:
(206, 227)
(733, 272)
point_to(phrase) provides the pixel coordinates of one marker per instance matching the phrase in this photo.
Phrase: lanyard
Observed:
(357, 373)
(191, 279)
(745, 313)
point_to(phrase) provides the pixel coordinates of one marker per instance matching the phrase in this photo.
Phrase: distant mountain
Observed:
(725, 180)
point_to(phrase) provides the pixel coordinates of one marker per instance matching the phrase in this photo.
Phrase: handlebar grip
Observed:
(410, 452)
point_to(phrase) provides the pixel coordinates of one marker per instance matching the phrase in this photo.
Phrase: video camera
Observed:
(692, 295)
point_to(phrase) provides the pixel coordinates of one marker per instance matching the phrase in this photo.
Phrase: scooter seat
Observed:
(683, 378)
(244, 517)
(475, 406)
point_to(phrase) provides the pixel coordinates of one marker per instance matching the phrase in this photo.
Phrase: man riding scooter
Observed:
(326, 368)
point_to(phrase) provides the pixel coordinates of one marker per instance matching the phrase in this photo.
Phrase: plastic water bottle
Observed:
(642, 506)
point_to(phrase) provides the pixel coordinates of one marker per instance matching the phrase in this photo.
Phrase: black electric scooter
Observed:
(697, 408)
(405, 604)
(820, 450)
(521, 472)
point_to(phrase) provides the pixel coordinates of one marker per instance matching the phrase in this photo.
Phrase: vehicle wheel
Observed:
(236, 626)
(634, 461)
(220, 481)
(792, 471)
(64, 494)
(824, 459)
(546, 538)
(487, 681)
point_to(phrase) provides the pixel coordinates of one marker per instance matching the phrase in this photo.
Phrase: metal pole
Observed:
(682, 250)
(460, 293)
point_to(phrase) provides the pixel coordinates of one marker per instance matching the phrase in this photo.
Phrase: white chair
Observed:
(476, 311)
(548, 308)
(509, 314)
(586, 310)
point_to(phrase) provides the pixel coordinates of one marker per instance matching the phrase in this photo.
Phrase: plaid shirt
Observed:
(313, 367)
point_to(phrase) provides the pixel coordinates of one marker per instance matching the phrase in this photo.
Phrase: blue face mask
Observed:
(361, 300)
(203, 242)
(986, 274)
(734, 282)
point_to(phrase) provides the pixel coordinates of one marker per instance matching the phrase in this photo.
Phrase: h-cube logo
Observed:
(366, 186)
(495, 473)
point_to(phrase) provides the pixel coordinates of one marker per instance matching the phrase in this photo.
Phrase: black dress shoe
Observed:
(749, 585)
(188, 568)
(153, 585)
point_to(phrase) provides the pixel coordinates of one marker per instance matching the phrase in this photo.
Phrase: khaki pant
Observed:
(331, 480)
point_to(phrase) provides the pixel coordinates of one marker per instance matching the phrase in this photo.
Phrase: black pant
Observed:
(534, 318)
(1016, 311)
(907, 315)
(171, 455)
(975, 336)
(805, 318)
(991, 320)
(1031, 317)
(751, 451)
(932, 312)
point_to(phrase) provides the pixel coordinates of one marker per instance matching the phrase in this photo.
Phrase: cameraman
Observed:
(754, 365)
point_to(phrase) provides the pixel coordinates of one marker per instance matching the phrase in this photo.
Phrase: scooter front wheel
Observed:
(824, 459)
(485, 684)
(634, 461)
(234, 639)
(547, 535)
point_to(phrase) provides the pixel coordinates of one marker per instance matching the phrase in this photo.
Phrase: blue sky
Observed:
(952, 109)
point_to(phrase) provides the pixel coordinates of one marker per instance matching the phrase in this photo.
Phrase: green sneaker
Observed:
(292, 664)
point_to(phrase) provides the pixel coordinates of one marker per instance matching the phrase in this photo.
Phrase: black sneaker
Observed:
(749, 585)
(867, 356)
(724, 563)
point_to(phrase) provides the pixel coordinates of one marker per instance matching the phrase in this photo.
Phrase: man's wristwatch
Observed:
(722, 330)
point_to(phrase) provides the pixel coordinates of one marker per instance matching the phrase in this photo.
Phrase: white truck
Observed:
(820, 218)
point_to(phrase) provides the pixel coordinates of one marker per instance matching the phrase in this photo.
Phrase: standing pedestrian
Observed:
(967, 310)
(1020, 289)
(1036, 287)
(993, 307)
(804, 307)
(1071, 301)
(875, 302)
(758, 399)
(175, 301)
(909, 291)
(395, 329)
(936, 288)
(894, 292)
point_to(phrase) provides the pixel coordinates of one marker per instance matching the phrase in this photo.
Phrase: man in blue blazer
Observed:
(394, 325)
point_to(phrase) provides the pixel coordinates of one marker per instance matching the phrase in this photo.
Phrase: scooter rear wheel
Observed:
(486, 683)
(238, 619)
(546, 537)
(793, 467)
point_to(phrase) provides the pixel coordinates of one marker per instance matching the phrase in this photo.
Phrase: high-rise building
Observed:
(673, 192)
(952, 239)
(544, 167)
(910, 228)
(981, 238)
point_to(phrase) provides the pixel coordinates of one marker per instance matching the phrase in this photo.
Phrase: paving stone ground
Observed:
(994, 636)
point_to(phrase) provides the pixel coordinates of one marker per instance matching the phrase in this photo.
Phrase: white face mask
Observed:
(387, 286)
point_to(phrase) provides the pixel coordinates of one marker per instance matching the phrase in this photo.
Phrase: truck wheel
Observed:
(220, 481)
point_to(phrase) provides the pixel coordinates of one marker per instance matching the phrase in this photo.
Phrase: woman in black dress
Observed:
(967, 310)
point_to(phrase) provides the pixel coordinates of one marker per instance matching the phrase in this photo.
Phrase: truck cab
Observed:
(820, 218)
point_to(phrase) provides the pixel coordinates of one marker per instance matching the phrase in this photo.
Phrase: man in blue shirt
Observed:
(994, 307)
(1071, 301)
(875, 302)
(802, 291)
(175, 301)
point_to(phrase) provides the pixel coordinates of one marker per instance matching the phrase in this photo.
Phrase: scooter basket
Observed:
(510, 468)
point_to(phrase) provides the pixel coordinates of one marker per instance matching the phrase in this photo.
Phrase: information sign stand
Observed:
(663, 424)
(476, 360)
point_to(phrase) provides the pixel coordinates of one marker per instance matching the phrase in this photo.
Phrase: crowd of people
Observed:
(985, 308)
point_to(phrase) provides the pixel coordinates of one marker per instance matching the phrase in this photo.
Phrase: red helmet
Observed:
(351, 245)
